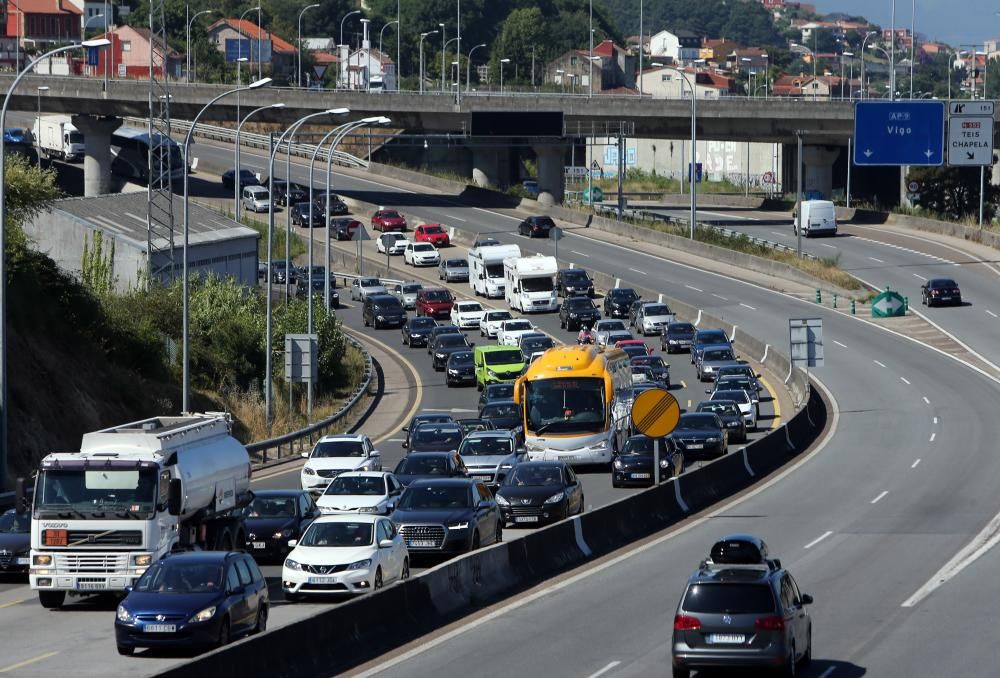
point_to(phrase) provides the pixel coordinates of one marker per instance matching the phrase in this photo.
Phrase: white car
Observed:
(392, 243)
(529, 335)
(345, 554)
(421, 254)
(336, 454)
(602, 328)
(743, 401)
(510, 330)
(406, 293)
(360, 492)
(491, 322)
(362, 287)
(467, 314)
(653, 318)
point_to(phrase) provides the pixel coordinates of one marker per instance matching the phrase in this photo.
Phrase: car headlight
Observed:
(360, 564)
(664, 463)
(452, 370)
(713, 439)
(204, 615)
(124, 616)
(440, 355)
(502, 500)
(558, 496)
(143, 560)
(458, 526)
(491, 373)
(293, 565)
(368, 509)
(379, 318)
(671, 341)
(282, 534)
(308, 471)
(572, 315)
(533, 447)
(506, 467)
(603, 445)
(618, 464)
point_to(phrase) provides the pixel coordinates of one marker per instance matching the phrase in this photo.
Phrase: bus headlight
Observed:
(603, 445)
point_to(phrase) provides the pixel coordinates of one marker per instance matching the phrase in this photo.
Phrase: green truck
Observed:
(495, 364)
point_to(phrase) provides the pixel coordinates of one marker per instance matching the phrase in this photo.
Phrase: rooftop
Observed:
(252, 30)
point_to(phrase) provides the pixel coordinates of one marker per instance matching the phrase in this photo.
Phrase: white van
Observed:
(256, 199)
(819, 217)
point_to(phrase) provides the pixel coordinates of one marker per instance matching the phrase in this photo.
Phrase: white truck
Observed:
(58, 138)
(132, 494)
(486, 269)
(529, 283)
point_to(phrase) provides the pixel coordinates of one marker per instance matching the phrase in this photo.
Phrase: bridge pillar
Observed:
(490, 166)
(96, 131)
(551, 174)
(817, 173)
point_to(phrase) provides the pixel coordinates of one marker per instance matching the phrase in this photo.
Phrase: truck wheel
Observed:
(52, 600)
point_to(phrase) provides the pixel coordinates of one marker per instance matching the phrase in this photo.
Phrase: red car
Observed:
(434, 302)
(634, 342)
(432, 233)
(388, 220)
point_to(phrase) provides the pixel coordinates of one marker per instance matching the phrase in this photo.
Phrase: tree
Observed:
(522, 32)
(953, 192)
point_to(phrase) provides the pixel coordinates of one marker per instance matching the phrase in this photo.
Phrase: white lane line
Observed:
(818, 539)
(691, 287)
(778, 233)
(452, 216)
(878, 363)
(935, 421)
(992, 313)
(933, 436)
(915, 464)
(604, 670)
(747, 306)
(839, 344)
(396, 440)
(916, 275)
(828, 672)
(878, 260)
(719, 296)
(926, 400)
(580, 253)
(879, 498)
(905, 380)
(823, 244)
(635, 270)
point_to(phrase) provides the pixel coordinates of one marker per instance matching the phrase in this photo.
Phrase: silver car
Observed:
(362, 287)
(711, 359)
(406, 293)
(653, 318)
(453, 270)
(602, 328)
(489, 455)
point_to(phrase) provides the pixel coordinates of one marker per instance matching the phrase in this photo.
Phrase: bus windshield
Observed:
(565, 405)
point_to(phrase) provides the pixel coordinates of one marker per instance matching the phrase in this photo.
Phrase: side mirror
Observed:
(483, 504)
(174, 497)
(806, 599)
(305, 455)
(385, 544)
(128, 590)
(391, 506)
(292, 543)
(757, 376)
(406, 429)
(708, 390)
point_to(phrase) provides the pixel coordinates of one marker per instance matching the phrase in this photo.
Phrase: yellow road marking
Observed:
(683, 385)
(12, 603)
(19, 665)
(776, 422)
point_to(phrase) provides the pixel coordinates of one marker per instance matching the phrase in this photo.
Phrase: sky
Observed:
(952, 21)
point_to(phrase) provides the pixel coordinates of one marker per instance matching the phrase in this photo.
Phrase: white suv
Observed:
(333, 455)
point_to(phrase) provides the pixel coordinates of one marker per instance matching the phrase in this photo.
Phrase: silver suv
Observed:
(741, 609)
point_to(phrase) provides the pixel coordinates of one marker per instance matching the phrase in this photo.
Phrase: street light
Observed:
(747, 61)
(368, 59)
(190, 22)
(299, 50)
(502, 62)
(812, 55)
(422, 36)
(444, 46)
(468, 66)
(765, 57)
(260, 20)
(186, 369)
(349, 14)
(380, 33)
(444, 80)
(38, 154)
(101, 42)
(236, 178)
(863, 42)
(562, 80)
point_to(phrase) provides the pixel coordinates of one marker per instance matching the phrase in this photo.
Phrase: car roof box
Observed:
(739, 549)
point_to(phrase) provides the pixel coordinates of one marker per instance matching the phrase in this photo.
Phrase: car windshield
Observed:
(641, 445)
(460, 359)
(733, 383)
(433, 229)
(719, 408)
(610, 326)
(653, 361)
(338, 448)
(533, 344)
(494, 391)
(338, 534)
(494, 316)
(500, 411)
(504, 358)
(438, 436)
(634, 350)
(411, 289)
(369, 282)
(729, 598)
(736, 370)
(941, 282)
(177, 577)
(101, 490)
(354, 485)
(718, 354)
(271, 507)
(422, 323)
(577, 303)
(657, 309)
(388, 304)
(389, 214)
(15, 523)
(623, 295)
(575, 275)
(418, 465)
(487, 446)
(423, 247)
(544, 221)
(536, 284)
(470, 307)
(450, 340)
(565, 405)
(695, 422)
(457, 263)
(680, 328)
(712, 337)
(517, 326)
(534, 476)
(436, 497)
(736, 396)
(438, 295)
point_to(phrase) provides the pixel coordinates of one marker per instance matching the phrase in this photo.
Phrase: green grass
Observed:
(278, 250)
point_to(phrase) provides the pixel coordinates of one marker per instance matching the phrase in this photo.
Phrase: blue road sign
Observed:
(899, 133)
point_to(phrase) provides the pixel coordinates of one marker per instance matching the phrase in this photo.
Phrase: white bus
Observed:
(529, 283)
(130, 148)
(486, 269)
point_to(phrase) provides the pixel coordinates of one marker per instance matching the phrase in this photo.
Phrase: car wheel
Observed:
(292, 598)
(475, 541)
(808, 656)
(562, 324)
(583, 505)
(498, 537)
(681, 672)
(405, 574)
(51, 600)
(377, 584)
(365, 321)
(223, 638)
(788, 670)
(126, 651)
(261, 625)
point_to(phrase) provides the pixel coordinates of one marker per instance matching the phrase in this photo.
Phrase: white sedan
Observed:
(360, 492)
(511, 330)
(467, 314)
(392, 243)
(491, 322)
(421, 254)
(345, 554)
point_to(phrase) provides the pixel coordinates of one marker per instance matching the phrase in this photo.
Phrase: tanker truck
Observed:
(132, 494)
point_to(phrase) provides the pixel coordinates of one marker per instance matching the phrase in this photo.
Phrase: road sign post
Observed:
(805, 340)
(899, 133)
(970, 133)
(655, 413)
(555, 235)
(888, 304)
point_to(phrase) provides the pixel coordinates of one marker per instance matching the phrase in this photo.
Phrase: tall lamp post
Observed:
(766, 73)
(468, 66)
(259, 20)
(101, 42)
(190, 22)
(299, 44)
(239, 83)
(186, 358)
(502, 62)
(349, 14)
(422, 37)
(380, 52)
(694, 145)
(237, 183)
(850, 82)
(863, 42)
(38, 154)
(444, 48)
(747, 61)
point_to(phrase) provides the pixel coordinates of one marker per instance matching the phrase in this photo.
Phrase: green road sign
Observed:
(597, 193)
(888, 304)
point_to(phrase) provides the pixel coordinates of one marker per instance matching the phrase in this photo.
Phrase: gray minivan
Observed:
(383, 310)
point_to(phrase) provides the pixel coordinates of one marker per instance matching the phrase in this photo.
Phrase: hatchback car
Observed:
(710, 337)
(574, 282)
(360, 492)
(489, 455)
(362, 287)
(700, 434)
(331, 205)
(306, 214)
(467, 314)
(496, 392)
(448, 515)
(460, 370)
(603, 328)
(274, 517)
(285, 194)
(743, 401)
(406, 292)
(418, 419)
(344, 228)
(539, 492)
(196, 599)
(435, 437)
(439, 464)
(660, 370)
(256, 199)
(938, 291)
(618, 301)
(335, 454)
(388, 220)
(732, 418)
(437, 331)
(392, 243)
(711, 357)
(417, 330)
(453, 270)
(15, 541)
(432, 233)
(536, 227)
(473, 424)
(505, 415)
(653, 319)
(444, 346)
(247, 178)
(492, 320)
(633, 466)
(577, 312)
(421, 254)
(677, 337)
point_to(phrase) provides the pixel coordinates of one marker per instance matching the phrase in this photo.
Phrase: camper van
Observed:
(529, 283)
(486, 269)
(818, 218)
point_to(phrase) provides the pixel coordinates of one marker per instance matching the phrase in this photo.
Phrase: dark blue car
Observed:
(198, 599)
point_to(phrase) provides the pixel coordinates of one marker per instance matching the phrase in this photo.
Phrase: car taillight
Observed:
(534, 228)
(935, 291)
(683, 622)
(774, 623)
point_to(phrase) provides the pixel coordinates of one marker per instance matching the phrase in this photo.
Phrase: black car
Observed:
(435, 437)
(531, 345)
(305, 212)
(315, 279)
(937, 291)
(437, 331)
(660, 369)
(729, 412)
(536, 227)
(473, 425)
(505, 414)
(444, 346)
(344, 228)
(447, 516)
(461, 369)
(540, 492)
(578, 311)
(574, 282)
(15, 541)
(700, 434)
(703, 338)
(430, 465)
(416, 330)
(247, 178)
(496, 392)
(383, 310)
(424, 417)
(677, 337)
(618, 301)
(332, 205)
(283, 195)
(633, 466)
(274, 517)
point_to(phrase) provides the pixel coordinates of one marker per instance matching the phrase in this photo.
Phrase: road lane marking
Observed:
(396, 440)
(823, 244)
(917, 275)
(580, 253)
(935, 421)
(635, 270)
(683, 385)
(992, 313)
(19, 665)
(878, 363)
(719, 296)
(12, 603)
(879, 498)
(933, 436)
(775, 403)
(878, 260)
(905, 380)
(604, 670)
(839, 344)
(915, 464)
(691, 287)
(818, 539)
(747, 306)
(452, 216)
(926, 400)
(778, 233)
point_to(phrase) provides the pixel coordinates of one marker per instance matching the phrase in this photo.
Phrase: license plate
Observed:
(160, 628)
(91, 586)
(480, 476)
(21, 561)
(525, 519)
(694, 446)
(321, 580)
(421, 544)
(723, 638)
(945, 298)
(259, 545)
(640, 476)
